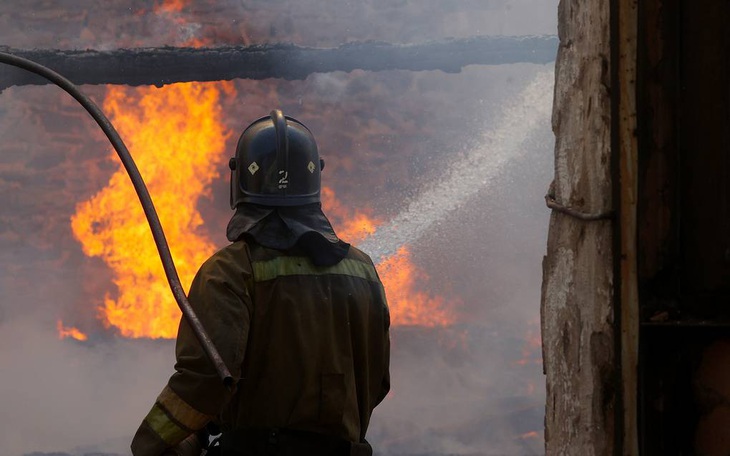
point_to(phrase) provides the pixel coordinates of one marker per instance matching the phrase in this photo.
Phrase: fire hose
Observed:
(158, 234)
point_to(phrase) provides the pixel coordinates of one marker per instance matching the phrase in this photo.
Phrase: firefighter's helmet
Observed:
(276, 164)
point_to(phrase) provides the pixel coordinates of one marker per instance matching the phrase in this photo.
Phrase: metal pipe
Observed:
(144, 198)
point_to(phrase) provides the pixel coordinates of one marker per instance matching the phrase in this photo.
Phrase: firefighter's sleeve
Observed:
(195, 393)
(385, 383)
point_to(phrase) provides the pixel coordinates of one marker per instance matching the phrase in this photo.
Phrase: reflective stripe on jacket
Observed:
(309, 347)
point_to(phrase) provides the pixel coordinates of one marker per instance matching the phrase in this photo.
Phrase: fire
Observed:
(532, 348)
(401, 279)
(170, 6)
(408, 306)
(183, 32)
(64, 332)
(352, 226)
(177, 139)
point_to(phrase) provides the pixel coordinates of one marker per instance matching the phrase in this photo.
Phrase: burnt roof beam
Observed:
(167, 65)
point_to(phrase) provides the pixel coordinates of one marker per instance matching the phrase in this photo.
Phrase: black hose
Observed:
(144, 197)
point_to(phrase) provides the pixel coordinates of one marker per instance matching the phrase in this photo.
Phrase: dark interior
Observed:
(684, 226)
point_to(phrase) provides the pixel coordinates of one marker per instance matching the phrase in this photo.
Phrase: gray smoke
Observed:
(473, 215)
(455, 390)
(465, 176)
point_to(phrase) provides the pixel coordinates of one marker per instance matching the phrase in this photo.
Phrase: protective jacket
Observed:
(307, 345)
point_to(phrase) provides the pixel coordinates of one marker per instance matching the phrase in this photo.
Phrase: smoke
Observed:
(457, 164)
(82, 24)
(466, 175)
(469, 389)
(58, 394)
(477, 387)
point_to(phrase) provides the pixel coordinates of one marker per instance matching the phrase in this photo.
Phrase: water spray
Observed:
(465, 178)
(144, 197)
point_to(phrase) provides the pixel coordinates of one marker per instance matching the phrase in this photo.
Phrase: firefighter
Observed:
(298, 315)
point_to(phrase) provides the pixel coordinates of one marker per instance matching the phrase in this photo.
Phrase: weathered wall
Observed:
(577, 295)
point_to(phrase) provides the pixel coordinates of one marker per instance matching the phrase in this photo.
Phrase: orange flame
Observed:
(64, 332)
(532, 348)
(172, 11)
(170, 6)
(408, 306)
(401, 279)
(353, 227)
(177, 139)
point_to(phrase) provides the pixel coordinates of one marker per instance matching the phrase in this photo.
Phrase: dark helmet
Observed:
(276, 164)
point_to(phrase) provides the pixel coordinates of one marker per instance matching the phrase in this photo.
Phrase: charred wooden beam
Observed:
(166, 65)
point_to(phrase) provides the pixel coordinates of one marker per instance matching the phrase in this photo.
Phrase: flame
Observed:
(183, 32)
(177, 139)
(408, 306)
(532, 347)
(353, 227)
(64, 332)
(401, 278)
(170, 6)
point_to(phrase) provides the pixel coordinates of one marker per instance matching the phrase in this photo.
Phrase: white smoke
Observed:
(57, 394)
(465, 176)
(63, 397)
